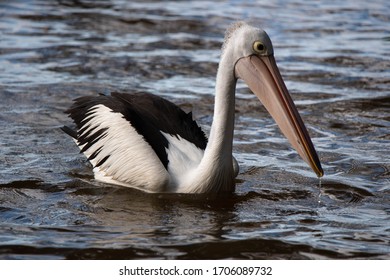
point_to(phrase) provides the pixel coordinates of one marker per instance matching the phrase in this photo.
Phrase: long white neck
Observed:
(215, 171)
(220, 143)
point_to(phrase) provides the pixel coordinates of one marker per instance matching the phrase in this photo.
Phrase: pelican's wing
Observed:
(126, 137)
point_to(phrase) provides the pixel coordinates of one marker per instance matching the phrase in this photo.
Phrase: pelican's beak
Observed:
(262, 76)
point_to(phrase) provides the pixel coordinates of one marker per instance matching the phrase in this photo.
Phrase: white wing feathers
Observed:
(121, 151)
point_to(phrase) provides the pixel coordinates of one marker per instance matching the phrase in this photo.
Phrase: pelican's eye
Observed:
(259, 47)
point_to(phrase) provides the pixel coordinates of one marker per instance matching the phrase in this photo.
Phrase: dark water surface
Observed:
(335, 58)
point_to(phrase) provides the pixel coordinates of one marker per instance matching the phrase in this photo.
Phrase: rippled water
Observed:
(335, 58)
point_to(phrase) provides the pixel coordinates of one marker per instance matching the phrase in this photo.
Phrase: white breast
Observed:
(184, 157)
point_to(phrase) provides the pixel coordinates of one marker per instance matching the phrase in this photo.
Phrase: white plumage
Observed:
(132, 155)
(184, 157)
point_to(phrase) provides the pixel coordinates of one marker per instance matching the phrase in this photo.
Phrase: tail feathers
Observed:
(69, 131)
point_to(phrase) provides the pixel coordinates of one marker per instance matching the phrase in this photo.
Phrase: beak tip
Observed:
(318, 170)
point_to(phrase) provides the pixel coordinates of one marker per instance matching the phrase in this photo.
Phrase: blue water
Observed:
(334, 57)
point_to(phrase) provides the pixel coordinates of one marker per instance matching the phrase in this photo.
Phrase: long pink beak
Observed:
(262, 76)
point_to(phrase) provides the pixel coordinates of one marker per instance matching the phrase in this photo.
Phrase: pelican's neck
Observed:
(221, 135)
(215, 171)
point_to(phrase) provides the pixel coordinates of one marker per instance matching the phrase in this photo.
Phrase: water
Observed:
(335, 60)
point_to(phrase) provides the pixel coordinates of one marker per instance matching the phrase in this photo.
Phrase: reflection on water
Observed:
(335, 60)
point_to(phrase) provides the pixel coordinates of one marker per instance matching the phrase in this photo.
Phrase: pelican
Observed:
(143, 141)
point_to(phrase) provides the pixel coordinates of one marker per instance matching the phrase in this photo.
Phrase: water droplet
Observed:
(319, 190)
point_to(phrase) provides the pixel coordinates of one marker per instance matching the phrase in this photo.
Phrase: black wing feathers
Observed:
(165, 116)
(147, 113)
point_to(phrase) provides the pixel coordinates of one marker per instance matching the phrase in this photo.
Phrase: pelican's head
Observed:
(252, 52)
